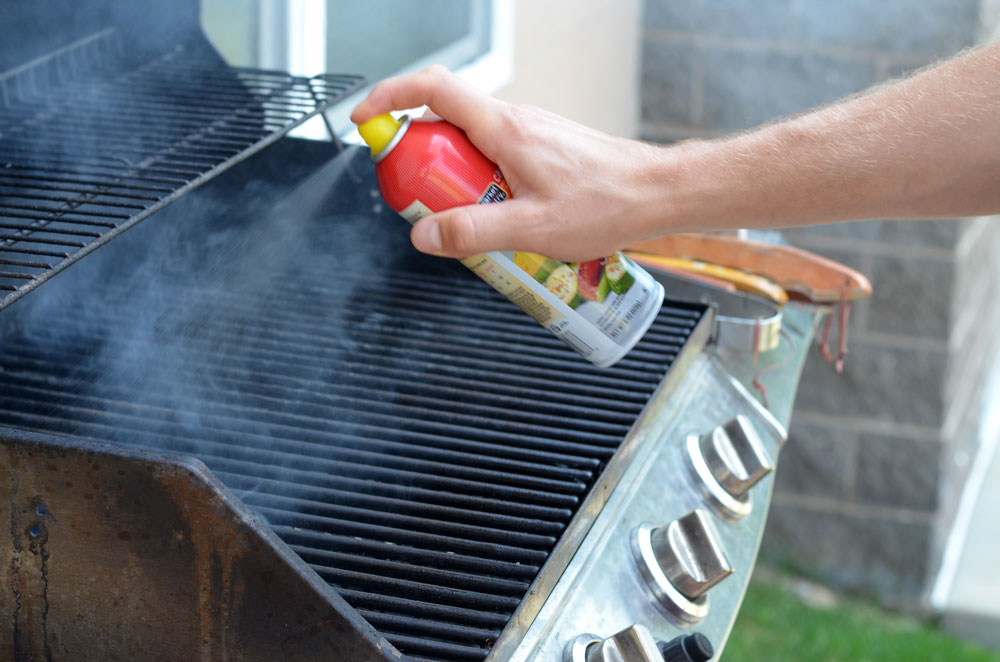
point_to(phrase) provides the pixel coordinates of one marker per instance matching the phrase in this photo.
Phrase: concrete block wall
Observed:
(714, 66)
(870, 477)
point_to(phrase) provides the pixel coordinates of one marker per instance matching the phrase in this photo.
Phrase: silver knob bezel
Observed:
(633, 644)
(718, 497)
(727, 463)
(576, 648)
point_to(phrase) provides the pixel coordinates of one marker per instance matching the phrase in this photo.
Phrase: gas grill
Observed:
(260, 425)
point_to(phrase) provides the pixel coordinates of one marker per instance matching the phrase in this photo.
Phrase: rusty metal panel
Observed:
(117, 554)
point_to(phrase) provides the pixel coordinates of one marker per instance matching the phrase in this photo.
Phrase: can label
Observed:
(494, 193)
(600, 308)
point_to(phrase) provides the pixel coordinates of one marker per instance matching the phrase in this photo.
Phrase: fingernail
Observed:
(427, 237)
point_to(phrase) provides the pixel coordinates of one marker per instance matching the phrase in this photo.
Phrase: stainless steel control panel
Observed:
(663, 570)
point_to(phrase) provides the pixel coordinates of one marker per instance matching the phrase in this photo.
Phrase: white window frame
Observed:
(299, 47)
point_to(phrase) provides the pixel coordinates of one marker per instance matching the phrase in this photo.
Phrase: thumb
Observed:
(472, 229)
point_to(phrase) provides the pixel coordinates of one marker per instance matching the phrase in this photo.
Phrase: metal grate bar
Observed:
(45, 186)
(377, 602)
(480, 517)
(424, 627)
(332, 510)
(428, 628)
(309, 541)
(49, 229)
(351, 397)
(415, 443)
(440, 650)
(30, 251)
(414, 590)
(216, 454)
(447, 578)
(225, 416)
(331, 545)
(22, 263)
(83, 181)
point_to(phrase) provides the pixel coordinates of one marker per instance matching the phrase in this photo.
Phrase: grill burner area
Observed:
(414, 437)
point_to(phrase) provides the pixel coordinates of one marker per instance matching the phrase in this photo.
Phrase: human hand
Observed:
(578, 194)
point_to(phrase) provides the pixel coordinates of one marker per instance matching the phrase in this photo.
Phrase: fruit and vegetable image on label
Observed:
(562, 283)
(593, 279)
(618, 273)
(602, 291)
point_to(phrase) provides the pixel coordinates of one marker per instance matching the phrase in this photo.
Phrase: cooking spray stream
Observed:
(309, 197)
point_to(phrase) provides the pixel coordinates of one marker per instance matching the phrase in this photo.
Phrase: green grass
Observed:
(774, 625)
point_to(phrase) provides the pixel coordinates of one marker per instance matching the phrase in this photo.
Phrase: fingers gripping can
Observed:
(600, 308)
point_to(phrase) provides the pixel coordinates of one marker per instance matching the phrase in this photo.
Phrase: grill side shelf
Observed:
(91, 143)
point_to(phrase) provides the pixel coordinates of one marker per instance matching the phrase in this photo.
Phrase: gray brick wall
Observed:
(868, 483)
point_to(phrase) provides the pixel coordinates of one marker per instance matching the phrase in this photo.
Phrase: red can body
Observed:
(435, 162)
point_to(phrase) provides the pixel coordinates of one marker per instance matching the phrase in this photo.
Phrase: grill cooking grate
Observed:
(424, 467)
(91, 143)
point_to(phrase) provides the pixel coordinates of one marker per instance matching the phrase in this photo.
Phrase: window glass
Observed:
(376, 38)
(379, 38)
(231, 25)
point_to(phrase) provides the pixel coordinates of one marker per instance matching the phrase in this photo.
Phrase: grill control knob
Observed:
(689, 556)
(633, 644)
(687, 648)
(681, 562)
(730, 460)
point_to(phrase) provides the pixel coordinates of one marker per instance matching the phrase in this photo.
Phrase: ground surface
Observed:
(779, 622)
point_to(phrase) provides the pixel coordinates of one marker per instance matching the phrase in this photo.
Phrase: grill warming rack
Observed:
(91, 142)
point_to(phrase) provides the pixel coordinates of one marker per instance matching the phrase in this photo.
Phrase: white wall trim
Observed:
(989, 439)
(495, 68)
(306, 53)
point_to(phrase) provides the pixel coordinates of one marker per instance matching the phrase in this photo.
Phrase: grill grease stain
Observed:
(29, 576)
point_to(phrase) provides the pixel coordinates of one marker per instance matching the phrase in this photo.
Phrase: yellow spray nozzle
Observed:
(378, 131)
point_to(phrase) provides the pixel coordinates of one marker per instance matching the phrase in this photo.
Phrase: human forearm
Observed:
(925, 147)
(922, 148)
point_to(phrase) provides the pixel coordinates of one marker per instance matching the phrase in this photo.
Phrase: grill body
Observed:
(415, 440)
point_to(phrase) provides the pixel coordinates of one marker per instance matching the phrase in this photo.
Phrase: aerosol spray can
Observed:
(600, 308)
